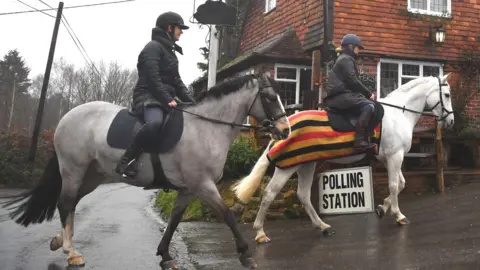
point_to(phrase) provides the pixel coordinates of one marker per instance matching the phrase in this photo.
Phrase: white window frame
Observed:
(400, 76)
(272, 7)
(428, 11)
(297, 77)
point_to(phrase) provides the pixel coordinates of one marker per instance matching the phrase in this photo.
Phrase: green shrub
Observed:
(241, 157)
(15, 170)
(166, 201)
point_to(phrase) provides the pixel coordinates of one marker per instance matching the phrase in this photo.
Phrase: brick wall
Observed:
(386, 27)
(304, 15)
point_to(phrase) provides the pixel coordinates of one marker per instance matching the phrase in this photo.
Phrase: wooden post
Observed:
(43, 94)
(315, 86)
(439, 155)
(254, 133)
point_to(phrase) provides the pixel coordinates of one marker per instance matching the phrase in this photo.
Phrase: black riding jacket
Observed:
(344, 78)
(158, 74)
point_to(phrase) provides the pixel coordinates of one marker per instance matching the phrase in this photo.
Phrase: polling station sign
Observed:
(346, 191)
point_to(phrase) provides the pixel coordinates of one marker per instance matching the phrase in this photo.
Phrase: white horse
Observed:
(397, 132)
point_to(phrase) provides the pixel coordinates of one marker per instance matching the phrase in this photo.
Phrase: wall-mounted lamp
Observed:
(436, 35)
(440, 34)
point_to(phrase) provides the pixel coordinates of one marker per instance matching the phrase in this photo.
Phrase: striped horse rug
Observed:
(313, 139)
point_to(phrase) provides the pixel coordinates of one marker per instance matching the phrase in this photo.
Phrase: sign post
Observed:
(346, 191)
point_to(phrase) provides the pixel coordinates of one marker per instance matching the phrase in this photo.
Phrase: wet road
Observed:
(444, 234)
(115, 228)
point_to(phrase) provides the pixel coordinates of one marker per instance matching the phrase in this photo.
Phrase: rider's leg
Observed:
(149, 133)
(361, 138)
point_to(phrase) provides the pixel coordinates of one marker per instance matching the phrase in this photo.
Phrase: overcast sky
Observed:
(115, 32)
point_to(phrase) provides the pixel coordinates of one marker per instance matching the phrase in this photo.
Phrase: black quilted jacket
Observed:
(344, 78)
(158, 76)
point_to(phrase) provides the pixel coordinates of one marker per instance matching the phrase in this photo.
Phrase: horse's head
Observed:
(439, 100)
(268, 110)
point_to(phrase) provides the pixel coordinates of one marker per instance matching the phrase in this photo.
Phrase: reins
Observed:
(440, 102)
(213, 119)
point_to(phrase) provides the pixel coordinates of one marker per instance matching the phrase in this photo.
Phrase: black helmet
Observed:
(170, 18)
(352, 39)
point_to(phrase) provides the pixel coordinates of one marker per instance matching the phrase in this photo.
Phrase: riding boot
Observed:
(362, 141)
(127, 165)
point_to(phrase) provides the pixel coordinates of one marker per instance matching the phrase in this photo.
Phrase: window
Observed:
(431, 7)
(291, 80)
(270, 5)
(393, 73)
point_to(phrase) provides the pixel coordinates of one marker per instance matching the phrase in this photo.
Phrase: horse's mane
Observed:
(226, 87)
(409, 85)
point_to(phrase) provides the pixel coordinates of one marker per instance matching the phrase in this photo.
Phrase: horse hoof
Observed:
(76, 261)
(403, 221)
(380, 212)
(328, 232)
(169, 265)
(248, 262)
(263, 239)
(55, 244)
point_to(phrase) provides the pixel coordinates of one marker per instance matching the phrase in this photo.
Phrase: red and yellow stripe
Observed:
(313, 139)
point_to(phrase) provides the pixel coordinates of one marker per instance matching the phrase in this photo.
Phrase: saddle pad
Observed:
(120, 132)
(313, 139)
(125, 125)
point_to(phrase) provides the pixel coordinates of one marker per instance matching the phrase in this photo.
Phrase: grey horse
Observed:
(193, 165)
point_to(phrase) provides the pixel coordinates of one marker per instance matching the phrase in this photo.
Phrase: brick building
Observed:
(286, 38)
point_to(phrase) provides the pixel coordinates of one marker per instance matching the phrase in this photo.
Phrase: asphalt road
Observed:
(116, 228)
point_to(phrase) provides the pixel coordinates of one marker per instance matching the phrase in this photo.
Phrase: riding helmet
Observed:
(352, 39)
(170, 18)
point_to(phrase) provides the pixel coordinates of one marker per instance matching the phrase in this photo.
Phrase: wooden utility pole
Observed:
(41, 103)
(10, 117)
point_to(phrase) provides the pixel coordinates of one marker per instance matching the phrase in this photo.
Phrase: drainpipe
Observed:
(326, 30)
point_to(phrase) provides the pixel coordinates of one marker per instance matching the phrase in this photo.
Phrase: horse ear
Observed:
(445, 77)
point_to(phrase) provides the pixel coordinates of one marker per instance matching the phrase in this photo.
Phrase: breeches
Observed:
(151, 131)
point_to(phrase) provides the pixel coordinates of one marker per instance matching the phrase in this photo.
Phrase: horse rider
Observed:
(345, 92)
(158, 83)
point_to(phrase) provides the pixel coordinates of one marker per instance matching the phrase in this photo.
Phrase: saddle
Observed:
(126, 124)
(346, 121)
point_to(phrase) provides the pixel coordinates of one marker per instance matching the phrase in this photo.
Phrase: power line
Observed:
(74, 36)
(78, 6)
(45, 4)
(35, 10)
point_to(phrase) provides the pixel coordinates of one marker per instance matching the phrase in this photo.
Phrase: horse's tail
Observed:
(42, 200)
(246, 187)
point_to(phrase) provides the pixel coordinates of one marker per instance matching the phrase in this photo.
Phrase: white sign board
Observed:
(346, 191)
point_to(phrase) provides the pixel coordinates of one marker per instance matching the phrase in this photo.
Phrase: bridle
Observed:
(267, 123)
(440, 102)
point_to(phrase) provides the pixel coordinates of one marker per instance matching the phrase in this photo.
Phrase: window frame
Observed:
(428, 11)
(421, 64)
(297, 77)
(274, 6)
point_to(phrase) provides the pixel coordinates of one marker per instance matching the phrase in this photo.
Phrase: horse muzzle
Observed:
(280, 129)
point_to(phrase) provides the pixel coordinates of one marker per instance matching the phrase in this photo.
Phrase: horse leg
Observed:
(401, 220)
(395, 178)
(381, 210)
(181, 203)
(208, 192)
(305, 180)
(73, 190)
(279, 179)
